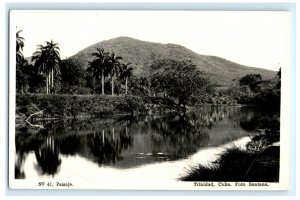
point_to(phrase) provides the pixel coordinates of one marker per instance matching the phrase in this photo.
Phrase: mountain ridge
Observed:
(141, 54)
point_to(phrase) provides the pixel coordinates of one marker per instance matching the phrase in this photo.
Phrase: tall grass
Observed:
(239, 165)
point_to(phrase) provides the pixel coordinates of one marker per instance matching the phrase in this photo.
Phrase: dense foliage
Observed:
(256, 91)
(72, 78)
(175, 81)
(65, 106)
(249, 79)
(180, 80)
(28, 79)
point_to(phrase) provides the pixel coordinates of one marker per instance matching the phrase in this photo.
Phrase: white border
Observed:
(148, 184)
(288, 77)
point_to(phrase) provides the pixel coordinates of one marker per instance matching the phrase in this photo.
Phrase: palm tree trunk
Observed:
(126, 82)
(52, 79)
(103, 138)
(112, 85)
(102, 82)
(47, 84)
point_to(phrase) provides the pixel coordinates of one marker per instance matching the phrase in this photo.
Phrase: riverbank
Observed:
(237, 164)
(55, 106)
(41, 106)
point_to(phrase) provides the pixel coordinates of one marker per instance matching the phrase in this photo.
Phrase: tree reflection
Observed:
(177, 135)
(69, 145)
(107, 146)
(19, 165)
(128, 142)
(47, 157)
(258, 118)
(24, 143)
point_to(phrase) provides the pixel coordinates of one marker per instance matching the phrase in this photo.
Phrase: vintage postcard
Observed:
(149, 100)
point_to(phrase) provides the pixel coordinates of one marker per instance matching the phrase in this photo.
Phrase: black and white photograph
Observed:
(149, 100)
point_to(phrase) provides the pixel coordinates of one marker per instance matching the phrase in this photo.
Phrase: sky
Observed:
(252, 38)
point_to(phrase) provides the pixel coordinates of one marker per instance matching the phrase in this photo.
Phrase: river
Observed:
(156, 147)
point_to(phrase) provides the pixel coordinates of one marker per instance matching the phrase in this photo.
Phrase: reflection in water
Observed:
(19, 166)
(47, 156)
(106, 146)
(259, 118)
(127, 143)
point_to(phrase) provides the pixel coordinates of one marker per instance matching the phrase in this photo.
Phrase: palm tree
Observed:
(98, 66)
(114, 68)
(47, 60)
(126, 74)
(39, 56)
(54, 59)
(19, 46)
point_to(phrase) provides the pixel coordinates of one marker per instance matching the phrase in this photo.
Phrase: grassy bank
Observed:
(240, 165)
(76, 106)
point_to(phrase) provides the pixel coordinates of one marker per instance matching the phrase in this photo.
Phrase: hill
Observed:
(141, 54)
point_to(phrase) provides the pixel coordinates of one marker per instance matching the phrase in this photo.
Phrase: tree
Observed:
(19, 46)
(98, 66)
(139, 86)
(47, 61)
(250, 79)
(279, 73)
(114, 68)
(180, 80)
(27, 78)
(126, 73)
(278, 85)
(21, 77)
(72, 75)
(35, 80)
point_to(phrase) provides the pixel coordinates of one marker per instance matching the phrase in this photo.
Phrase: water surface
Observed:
(114, 146)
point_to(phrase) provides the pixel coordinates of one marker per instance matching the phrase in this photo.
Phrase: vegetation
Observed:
(253, 90)
(71, 106)
(114, 69)
(98, 66)
(19, 47)
(142, 54)
(179, 80)
(46, 62)
(172, 85)
(126, 73)
(72, 78)
(259, 162)
(239, 165)
(250, 79)
(175, 82)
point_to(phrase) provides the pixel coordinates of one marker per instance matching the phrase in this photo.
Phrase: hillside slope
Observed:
(141, 54)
